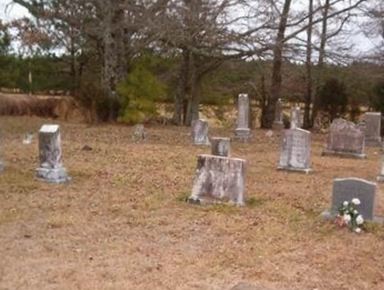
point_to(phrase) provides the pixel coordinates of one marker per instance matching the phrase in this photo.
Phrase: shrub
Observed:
(332, 98)
(138, 93)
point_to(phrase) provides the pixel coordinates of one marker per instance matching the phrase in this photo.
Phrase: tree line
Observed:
(118, 57)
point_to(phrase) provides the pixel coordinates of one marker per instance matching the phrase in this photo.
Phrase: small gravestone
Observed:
(51, 168)
(295, 152)
(296, 117)
(27, 138)
(220, 146)
(139, 133)
(243, 132)
(279, 113)
(372, 122)
(218, 179)
(380, 178)
(200, 132)
(345, 189)
(345, 139)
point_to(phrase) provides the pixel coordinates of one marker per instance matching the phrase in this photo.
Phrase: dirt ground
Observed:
(122, 222)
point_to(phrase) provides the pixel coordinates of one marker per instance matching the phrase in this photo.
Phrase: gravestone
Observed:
(220, 146)
(345, 189)
(372, 122)
(296, 118)
(380, 178)
(279, 113)
(218, 179)
(200, 132)
(295, 154)
(345, 139)
(243, 131)
(139, 133)
(50, 155)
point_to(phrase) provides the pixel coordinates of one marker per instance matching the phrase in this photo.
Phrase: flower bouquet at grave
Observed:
(349, 215)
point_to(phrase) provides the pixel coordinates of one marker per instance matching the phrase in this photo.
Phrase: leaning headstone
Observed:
(372, 129)
(380, 178)
(200, 132)
(218, 179)
(139, 133)
(345, 139)
(279, 113)
(243, 132)
(296, 117)
(51, 168)
(220, 146)
(345, 189)
(295, 152)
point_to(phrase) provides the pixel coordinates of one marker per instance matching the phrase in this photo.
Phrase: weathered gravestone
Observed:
(139, 133)
(380, 178)
(345, 139)
(295, 154)
(279, 113)
(220, 146)
(218, 179)
(345, 189)
(296, 118)
(243, 132)
(200, 132)
(372, 122)
(51, 168)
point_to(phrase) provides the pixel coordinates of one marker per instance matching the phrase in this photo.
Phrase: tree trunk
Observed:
(269, 113)
(308, 65)
(320, 63)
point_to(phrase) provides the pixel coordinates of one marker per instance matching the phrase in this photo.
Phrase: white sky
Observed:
(10, 12)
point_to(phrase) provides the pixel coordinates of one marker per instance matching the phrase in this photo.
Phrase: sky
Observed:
(361, 43)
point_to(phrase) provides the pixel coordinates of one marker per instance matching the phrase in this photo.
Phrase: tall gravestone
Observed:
(200, 132)
(372, 122)
(345, 139)
(218, 179)
(295, 154)
(279, 113)
(220, 146)
(50, 155)
(346, 189)
(296, 117)
(243, 131)
(380, 178)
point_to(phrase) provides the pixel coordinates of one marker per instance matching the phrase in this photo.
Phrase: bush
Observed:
(138, 93)
(377, 100)
(332, 98)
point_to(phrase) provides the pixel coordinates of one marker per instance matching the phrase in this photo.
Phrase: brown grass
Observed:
(122, 222)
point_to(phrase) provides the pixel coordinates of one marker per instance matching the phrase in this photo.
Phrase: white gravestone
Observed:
(50, 155)
(296, 118)
(218, 179)
(372, 121)
(200, 132)
(243, 131)
(295, 152)
(346, 189)
(279, 113)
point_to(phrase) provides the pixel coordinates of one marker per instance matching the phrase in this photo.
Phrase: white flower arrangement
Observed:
(349, 215)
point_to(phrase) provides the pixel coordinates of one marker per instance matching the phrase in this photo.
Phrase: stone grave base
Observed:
(327, 215)
(343, 154)
(294, 169)
(243, 134)
(380, 178)
(374, 142)
(52, 175)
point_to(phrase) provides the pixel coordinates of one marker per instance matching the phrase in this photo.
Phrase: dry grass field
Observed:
(122, 222)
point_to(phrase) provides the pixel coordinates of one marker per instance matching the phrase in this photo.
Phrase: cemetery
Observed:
(122, 219)
(192, 144)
